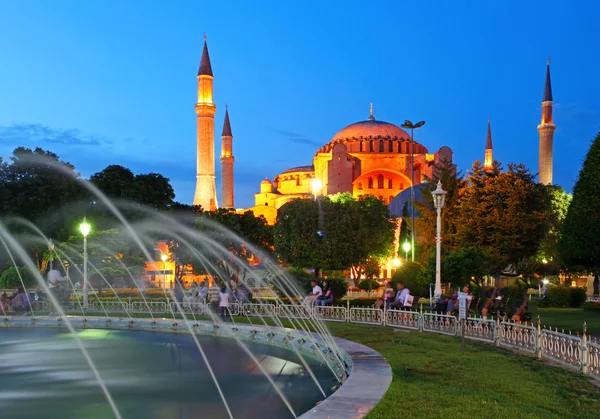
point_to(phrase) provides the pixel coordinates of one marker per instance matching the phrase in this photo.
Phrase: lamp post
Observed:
(316, 187)
(84, 227)
(51, 251)
(413, 127)
(439, 196)
(406, 248)
(163, 257)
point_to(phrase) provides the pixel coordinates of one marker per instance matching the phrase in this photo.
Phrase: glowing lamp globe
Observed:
(396, 262)
(406, 246)
(439, 196)
(163, 257)
(316, 185)
(84, 228)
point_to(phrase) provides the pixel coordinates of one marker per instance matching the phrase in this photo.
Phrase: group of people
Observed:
(19, 302)
(320, 296)
(395, 300)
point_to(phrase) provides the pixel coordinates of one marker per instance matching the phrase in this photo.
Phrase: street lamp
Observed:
(406, 248)
(84, 227)
(51, 251)
(396, 262)
(316, 187)
(163, 257)
(413, 127)
(439, 196)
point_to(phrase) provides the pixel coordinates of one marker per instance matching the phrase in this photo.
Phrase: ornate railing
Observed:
(403, 318)
(563, 348)
(149, 306)
(480, 329)
(366, 315)
(110, 306)
(188, 308)
(591, 364)
(259, 310)
(332, 313)
(294, 311)
(518, 336)
(39, 306)
(440, 323)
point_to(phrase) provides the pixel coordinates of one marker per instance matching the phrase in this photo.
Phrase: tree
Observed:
(503, 212)
(559, 205)
(334, 233)
(16, 277)
(579, 245)
(116, 182)
(153, 190)
(426, 222)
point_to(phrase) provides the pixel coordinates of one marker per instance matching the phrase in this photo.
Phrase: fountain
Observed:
(177, 359)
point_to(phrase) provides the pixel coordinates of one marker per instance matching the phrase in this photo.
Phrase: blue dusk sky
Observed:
(114, 82)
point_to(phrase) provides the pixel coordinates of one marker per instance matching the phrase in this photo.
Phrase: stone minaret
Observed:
(206, 193)
(227, 160)
(487, 162)
(546, 130)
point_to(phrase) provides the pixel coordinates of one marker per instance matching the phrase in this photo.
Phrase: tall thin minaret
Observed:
(227, 160)
(206, 193)
(487, 162)
(546, 130)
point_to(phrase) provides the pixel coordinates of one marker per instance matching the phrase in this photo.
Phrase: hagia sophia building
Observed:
(366, 157)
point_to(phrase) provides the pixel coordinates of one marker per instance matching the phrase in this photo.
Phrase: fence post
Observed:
(384, 320)
(584, 350)
(498, 331)
(347, 311)
(538, 341)
(421, 318)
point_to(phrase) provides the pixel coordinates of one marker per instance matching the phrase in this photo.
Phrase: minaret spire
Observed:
(488, 161)
(227, 160)
(546, 130)
(206, 193)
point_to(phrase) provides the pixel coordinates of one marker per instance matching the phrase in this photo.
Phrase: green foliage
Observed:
(425, 224)
(461, 266)
(11, 278)
(579, 244)
(505, 212)
(561, 296)
(368, 284)
(333, 233)
(303, 279)
(410, 274)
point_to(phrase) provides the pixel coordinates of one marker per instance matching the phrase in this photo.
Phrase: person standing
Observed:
(224, 302)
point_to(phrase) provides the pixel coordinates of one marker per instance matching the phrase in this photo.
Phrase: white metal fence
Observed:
(576, 352)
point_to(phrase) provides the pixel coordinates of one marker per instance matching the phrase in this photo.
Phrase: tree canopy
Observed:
(334, 233)
(579, 244)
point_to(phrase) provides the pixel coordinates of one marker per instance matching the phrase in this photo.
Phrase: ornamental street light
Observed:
(439, 196)
(406, 248)
(51, 251)
(412, 127)
(396, 262)
(84, 227)
(316, 187)
(163, 257)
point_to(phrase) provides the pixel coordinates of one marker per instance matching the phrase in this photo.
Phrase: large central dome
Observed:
(371, 129)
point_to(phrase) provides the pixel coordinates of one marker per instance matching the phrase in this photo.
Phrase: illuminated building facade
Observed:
(367, 157)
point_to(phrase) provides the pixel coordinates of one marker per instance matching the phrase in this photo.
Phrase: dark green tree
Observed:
(116, 182)
(579, 246)
(16, 277)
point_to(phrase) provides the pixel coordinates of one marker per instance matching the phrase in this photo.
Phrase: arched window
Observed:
(370, 183)
(381, 198)
(381, 146)
(360, 185)
(390, 146)
(391, 197)
(362, 146)
(380, 182)
(390, 184)
(400, 147)
(298, 181)
(371, 146)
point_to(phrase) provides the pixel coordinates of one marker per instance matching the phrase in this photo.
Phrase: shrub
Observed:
(559, 296)
(578, 296)
(409, 274)
(364, 285)
(10, 278)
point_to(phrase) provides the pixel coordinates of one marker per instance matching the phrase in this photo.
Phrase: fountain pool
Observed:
(152, 375)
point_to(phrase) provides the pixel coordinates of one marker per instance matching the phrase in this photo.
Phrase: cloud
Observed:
(294, 137)
(38, 134)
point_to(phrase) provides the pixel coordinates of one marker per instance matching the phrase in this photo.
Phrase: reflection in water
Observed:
(150, 375)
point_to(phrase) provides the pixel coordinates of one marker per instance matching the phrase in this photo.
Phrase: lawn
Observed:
(433, 379)
(567, 318)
